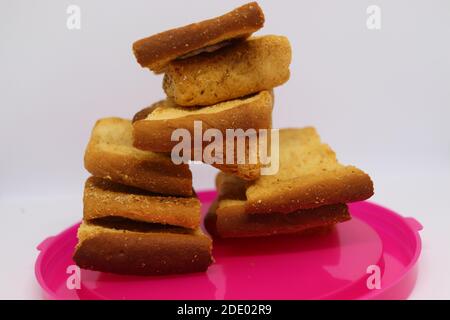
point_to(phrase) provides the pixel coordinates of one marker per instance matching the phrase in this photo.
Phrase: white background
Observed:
(380, 98)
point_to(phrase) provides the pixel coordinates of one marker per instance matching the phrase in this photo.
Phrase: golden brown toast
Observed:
(241, 69)
(157, 51)
(127, 247)
(153, 126)
(103, 198)
(227, 217)
(309, 176)
(110, 155)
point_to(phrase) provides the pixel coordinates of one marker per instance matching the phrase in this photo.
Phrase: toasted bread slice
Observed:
(131, 248)
(103, 198)
(248, 172)
(244, 68)
(153, 127)
(227, 217)
(309, 176)
(110, 155)
(157, 51)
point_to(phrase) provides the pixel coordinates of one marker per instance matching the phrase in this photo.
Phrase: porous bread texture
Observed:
(132, 252)
(244, 68)
(103, 198)
(309, 176)
(110, 155)
(157, 51)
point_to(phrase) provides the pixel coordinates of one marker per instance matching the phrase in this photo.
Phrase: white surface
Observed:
(380, 98)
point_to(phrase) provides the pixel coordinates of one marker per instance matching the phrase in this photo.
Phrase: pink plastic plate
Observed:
(343, 264)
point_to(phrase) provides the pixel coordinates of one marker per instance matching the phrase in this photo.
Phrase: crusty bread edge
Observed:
(349, 188)
(155, 135)
(181, 80)
(137, 253)
(156, 51)
(222, 228)
(176, 211)
(159, 177)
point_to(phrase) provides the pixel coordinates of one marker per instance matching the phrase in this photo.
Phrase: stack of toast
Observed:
(217, 73)
(141, 214)
(308, 193)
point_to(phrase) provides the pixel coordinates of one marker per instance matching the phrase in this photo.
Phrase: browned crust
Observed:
(103, 198)
(143, 253)
(143, 114)
(155, 135)
(230, 187)
(210, 220)
(149, 171)
(156, 51)
(348, 184)
(310, 176)
(227, 217)
(248, 172)
(241, 69)
(233, 222)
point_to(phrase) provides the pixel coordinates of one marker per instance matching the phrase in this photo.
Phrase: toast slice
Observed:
(157, 51)
(227, 217)
(110, 155)
(309, 176)
(153, 126)
(244, 68)
(104, 198)
(137, 248)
